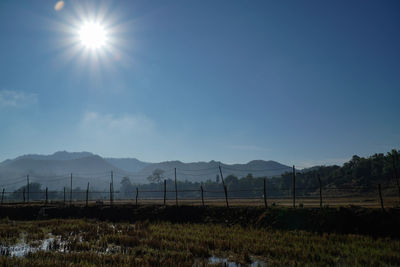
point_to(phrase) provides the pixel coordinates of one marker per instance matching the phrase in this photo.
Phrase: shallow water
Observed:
(54, 243)
(226, 262)
(22, 249)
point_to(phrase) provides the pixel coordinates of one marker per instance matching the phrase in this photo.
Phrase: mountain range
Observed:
(55, 170)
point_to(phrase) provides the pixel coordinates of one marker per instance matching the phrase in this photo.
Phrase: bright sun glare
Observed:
(92, 35)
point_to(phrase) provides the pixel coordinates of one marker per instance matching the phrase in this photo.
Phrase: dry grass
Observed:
(314, 202)
(367, 202)
(90, 243)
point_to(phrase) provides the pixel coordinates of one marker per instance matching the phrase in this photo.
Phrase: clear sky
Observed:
(300, 82)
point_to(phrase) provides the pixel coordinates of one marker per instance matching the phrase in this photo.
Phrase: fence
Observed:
(169, 193)
(199, 197)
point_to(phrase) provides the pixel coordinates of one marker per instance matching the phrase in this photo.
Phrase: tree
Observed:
(126, 185)
(35, 192)
(231, 179)
(217, 179)
(394, 155)
(249, 175)
(157, 176)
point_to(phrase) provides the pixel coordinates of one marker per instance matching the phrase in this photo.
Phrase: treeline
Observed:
(248, 186)
(37, 192)
(359, 175)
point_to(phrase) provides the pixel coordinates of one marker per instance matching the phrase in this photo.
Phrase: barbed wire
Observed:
(257, 170)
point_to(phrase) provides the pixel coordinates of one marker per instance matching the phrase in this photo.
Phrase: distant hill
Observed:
(54, 170)
(202, 171)
(128, 164)
(60, 155)
(56, 173)
(92, 164)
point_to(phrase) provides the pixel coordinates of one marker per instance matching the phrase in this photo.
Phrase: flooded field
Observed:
(77, 242)
(55, 244)
(22, 249)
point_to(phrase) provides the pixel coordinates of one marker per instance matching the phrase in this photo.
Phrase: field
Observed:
(312, 202)
(89, 242)
(371, 201)
(153, 235)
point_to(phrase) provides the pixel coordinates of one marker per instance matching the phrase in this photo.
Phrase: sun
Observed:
(92, 35)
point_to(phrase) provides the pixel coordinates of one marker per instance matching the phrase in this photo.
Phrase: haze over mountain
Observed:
(202, 171)
(128, 164)
(54, 170)
(60, 155)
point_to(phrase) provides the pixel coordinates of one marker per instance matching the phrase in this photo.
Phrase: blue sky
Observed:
(300, 82)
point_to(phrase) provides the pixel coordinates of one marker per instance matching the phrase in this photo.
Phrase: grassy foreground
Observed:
(78, 242)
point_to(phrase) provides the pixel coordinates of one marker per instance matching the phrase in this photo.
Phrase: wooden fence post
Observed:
(47, 196)
(380, 197)
(265, 193)
(2, 196)
(320, 191)
(137, 194)
(70, 192)
(225, 189)
(23, 194)
(226, 196)
(176, 190)
(202, 195)
(111, 202)
(395, 173)
(27, 186)
(165, 190)
(87, 195)
(112, 186)
(294, 187)
(112, 192)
